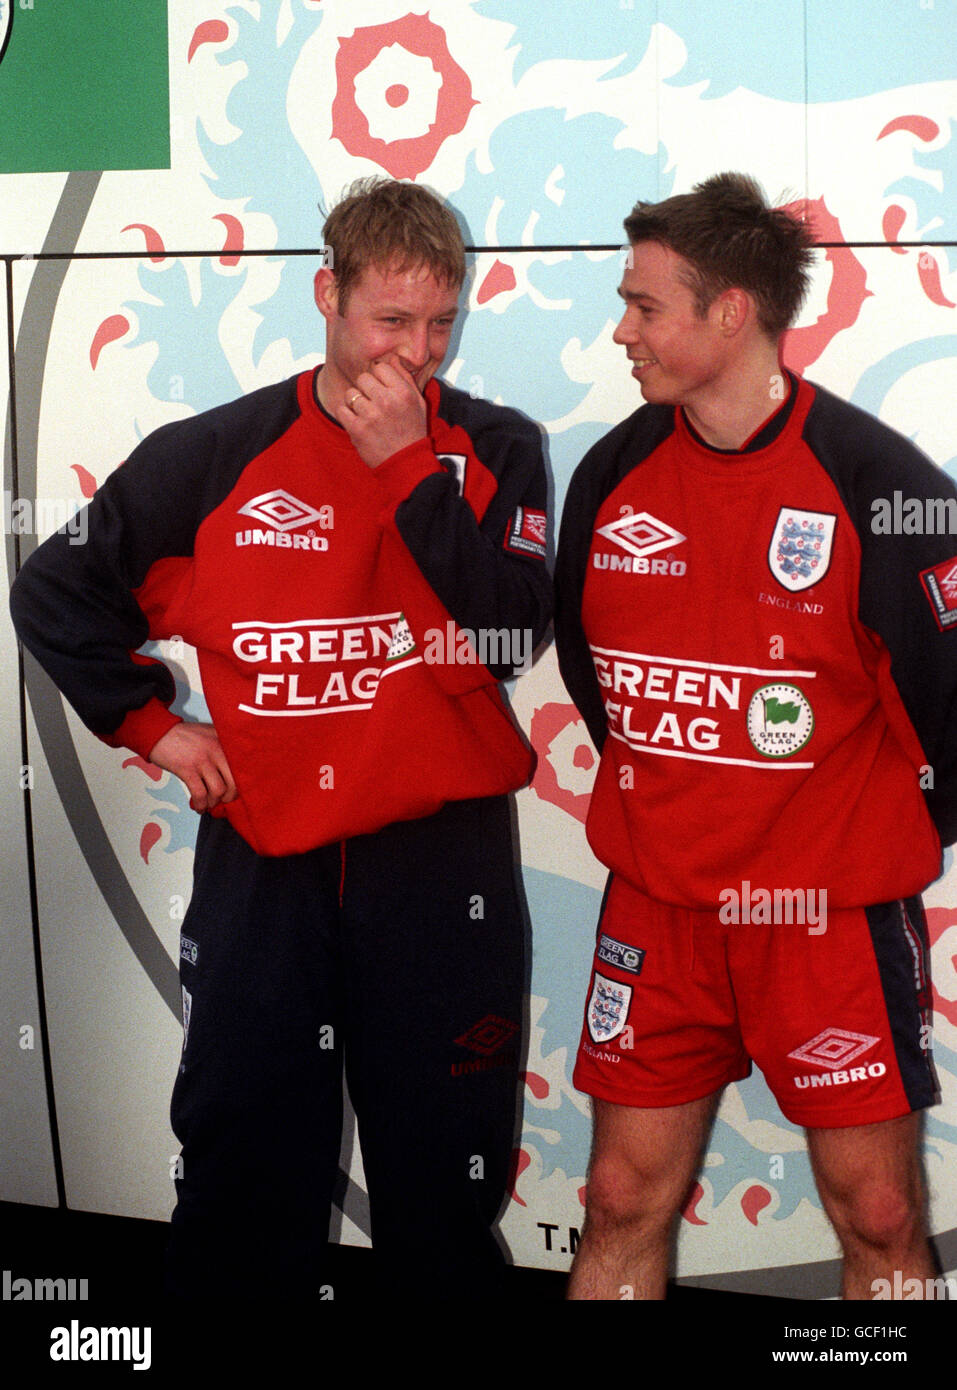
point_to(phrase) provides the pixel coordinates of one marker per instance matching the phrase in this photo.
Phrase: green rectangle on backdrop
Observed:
(84, 84)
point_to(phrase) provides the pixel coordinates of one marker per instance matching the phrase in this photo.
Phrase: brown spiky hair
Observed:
(395, 226)
(731, 238)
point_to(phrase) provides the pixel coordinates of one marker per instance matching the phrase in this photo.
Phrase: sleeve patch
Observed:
(940, 585)
(526, 532)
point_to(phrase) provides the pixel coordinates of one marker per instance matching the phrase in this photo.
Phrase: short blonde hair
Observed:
(385, 223)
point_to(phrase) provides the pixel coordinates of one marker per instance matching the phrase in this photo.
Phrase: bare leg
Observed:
(869, 1178)
(643, 1161)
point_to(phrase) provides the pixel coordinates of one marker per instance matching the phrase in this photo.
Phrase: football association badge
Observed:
(800, 549)
(607, 1008)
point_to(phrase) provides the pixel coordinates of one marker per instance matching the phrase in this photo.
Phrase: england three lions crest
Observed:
(607, 1011)
(800, 551)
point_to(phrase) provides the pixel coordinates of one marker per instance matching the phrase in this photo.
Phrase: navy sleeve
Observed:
(74, 606)
(597, 476)
(484, 578)
(574, 544)
(904, 509)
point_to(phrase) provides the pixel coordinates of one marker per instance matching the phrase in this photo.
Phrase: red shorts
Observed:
(838, 1019)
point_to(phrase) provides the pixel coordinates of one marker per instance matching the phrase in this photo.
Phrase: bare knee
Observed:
(882, 1215)
(622, 1193)
(642, 1163)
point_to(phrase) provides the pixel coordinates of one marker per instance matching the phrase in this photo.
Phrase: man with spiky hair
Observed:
(770, 683)
(355, 902)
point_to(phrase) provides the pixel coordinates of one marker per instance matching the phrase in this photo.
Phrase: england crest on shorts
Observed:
(607, 1011)
(800, 551)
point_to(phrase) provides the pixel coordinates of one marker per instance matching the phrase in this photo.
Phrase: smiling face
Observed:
(396, 316)
(679, 356)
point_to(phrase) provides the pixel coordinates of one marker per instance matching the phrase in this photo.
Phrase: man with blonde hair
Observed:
(337, 547)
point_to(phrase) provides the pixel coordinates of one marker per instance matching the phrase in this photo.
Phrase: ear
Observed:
(327, 292)
(734, 308)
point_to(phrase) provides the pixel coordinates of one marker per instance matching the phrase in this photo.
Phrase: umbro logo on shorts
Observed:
(834, 1050)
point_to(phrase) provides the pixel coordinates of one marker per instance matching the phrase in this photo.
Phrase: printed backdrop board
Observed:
(174, 290)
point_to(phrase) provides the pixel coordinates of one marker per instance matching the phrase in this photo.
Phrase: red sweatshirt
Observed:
(313, 588)
(771, 680)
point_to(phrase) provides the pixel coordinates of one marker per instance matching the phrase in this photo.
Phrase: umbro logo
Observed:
(488, 1035)
(281, 514)
(490, 1039)
(833, 1051)
(641, 534)
(280, 510)
(834, 1048)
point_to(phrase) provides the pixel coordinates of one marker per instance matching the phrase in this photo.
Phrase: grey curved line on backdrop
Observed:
(786, 1281)
(32, 345)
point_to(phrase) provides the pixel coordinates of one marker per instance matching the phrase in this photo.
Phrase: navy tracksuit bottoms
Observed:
(399, 957)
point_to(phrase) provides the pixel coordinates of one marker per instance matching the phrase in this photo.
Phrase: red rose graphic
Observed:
(404, 157)
(846, 295)
(564, 749)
